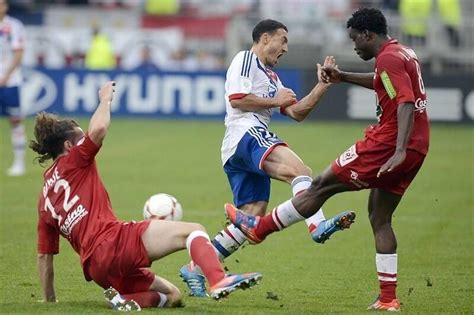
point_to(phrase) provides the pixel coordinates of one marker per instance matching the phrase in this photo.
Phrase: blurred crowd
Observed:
(204, 23)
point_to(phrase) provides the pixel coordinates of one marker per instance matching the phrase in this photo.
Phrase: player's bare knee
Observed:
(307, 171)
(198, 227)
(298, 170)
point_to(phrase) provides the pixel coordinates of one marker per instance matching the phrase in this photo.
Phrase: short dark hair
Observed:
(266, 26)
(369, 19)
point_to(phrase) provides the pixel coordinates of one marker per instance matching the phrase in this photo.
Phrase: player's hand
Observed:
(285, 97)
(106, 92)
(330, 72)
(392, 163)
(330, 61)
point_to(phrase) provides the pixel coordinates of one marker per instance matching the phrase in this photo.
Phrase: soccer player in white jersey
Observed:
(251, 153)
(11, 55)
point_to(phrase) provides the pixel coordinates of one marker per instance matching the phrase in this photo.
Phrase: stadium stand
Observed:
(209, 32)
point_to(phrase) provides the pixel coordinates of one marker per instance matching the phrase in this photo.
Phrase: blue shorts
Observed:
(10, 101)
(244, 169)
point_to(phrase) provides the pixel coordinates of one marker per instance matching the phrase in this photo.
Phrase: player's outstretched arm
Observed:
(251, 102)
(46, 276)
(299, 111)
(332, 74)
(100, 120)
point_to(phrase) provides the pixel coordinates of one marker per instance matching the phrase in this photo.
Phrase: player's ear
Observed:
(369, 36)
(68, 145)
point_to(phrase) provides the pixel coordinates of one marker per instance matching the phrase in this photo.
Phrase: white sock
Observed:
(19, 144)
(163, 299)
(300, 184)
(386, 267)
(285, 215)
(117, 299)
(227, 241)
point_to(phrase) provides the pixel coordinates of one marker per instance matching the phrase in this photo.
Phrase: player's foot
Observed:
(244, 222)
(327, 227)
(16, 170)
(194, 280)
(378, 305)
(230, 283)
(118, 303)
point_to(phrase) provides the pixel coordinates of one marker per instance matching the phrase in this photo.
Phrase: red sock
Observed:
(268, 224)
(203, 254)
(387, 291)
(145, 299)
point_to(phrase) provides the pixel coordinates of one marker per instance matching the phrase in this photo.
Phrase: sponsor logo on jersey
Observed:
(356, 181)
(72, 219)
(420, 105)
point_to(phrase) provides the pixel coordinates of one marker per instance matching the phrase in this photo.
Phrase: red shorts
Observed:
(358, 167)
(121, 260)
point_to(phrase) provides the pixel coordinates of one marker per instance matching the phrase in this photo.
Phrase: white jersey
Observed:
(12, 37)
(246, 75)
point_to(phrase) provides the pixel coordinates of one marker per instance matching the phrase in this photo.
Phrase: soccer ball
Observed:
(163, 207)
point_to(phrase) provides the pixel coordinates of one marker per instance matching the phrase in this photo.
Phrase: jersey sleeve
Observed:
(48, 238)
(83, 153)
(18, 36)
(240, 75)
(395, 79)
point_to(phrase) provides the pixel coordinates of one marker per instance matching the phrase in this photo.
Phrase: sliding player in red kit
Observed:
(75, 204)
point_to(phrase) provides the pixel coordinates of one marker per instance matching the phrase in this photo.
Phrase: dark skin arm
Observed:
(332, 74)
(405, 119)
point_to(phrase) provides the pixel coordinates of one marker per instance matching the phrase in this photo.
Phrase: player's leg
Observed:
(382, 205)
(285, 165)
(294, 210)
(162, 238)
(161, 293)
(10, 103)
(251, 191)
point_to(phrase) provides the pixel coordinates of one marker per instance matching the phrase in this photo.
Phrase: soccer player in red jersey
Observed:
(75, 204)
(385, 162)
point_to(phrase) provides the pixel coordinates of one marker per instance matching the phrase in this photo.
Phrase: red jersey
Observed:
(74, 203)
(398, 80)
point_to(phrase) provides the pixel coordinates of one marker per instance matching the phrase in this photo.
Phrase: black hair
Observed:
(369, 19)
(266, 26)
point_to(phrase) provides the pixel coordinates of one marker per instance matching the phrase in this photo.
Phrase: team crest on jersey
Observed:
(272, 75)
(272, 90)
(348, 156)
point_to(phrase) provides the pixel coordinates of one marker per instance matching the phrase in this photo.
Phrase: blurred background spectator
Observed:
(100, 55)
(147, 64)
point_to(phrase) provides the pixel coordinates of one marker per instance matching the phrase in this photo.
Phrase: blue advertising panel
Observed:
(153, 94)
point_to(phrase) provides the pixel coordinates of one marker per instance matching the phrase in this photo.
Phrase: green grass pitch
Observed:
(142, 157)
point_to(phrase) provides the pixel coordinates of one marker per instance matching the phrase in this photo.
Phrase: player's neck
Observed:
(259, 52)
(381, 41)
